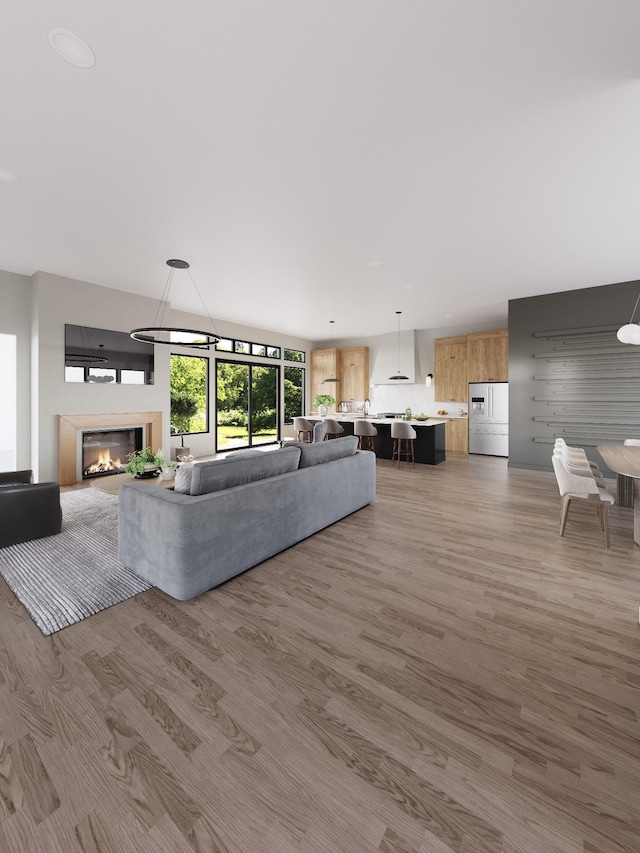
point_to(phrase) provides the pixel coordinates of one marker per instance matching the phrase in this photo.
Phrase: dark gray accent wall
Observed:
(569, 375)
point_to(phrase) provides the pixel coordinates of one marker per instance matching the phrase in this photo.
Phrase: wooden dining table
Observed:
(625, 459)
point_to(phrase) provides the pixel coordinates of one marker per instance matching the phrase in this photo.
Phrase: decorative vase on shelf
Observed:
(323, 411)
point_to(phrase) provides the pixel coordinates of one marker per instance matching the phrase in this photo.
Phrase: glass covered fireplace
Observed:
(105, 451)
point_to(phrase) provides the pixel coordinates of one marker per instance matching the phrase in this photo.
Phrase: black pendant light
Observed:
(398, 375)
(160, 334)
(331, 378)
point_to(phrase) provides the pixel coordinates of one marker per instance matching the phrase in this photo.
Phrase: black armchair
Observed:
(28, 510)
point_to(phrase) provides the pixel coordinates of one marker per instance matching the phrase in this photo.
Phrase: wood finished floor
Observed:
(439, 672)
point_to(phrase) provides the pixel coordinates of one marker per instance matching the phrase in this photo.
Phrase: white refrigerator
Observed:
(489, 418)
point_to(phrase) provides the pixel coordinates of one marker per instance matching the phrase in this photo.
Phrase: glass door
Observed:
(246, 404)
(263, 404)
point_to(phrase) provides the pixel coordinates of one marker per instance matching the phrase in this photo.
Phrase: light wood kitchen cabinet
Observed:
(350, 365)
(354, 373)
(451, 369)
(457, 434)
(488, 356)
(324, 363)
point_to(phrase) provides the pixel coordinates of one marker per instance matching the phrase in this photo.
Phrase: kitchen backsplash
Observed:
(419, 398)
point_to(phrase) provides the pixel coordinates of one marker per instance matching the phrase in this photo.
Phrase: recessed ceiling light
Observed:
(72, 48)
(7, 175)
(448, 315)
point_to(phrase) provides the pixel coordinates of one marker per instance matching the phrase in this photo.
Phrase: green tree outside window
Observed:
(293, 393)
(188, 375)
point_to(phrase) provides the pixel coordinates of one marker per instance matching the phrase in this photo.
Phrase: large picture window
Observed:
(189, 374)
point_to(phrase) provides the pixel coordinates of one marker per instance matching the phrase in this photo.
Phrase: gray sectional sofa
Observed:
(236, 512)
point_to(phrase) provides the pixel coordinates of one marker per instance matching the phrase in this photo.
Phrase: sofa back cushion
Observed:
(219, 474)
(15, 478)
(327, 451)
(185, 469)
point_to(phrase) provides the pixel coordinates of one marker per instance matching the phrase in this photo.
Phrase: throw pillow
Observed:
(183, 478)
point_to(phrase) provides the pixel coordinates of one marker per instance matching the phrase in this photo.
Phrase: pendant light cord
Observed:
(158, 320)
(164, 301)
(213, 325)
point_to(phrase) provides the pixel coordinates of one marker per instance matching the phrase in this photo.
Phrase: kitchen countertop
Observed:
(314, 416)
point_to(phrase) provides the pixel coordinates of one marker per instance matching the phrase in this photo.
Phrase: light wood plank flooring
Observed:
(439, 672)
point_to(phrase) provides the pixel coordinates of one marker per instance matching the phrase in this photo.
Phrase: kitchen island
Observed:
(430, 436)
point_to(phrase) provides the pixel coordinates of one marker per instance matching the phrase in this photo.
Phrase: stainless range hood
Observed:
(388, 361)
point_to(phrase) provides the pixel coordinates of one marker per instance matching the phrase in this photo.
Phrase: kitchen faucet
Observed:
(365, 407)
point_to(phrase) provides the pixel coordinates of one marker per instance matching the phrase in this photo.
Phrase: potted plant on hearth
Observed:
(144, 463)
(184, 407)
(321, 402)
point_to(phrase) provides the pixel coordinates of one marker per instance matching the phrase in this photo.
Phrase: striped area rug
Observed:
(65, 578)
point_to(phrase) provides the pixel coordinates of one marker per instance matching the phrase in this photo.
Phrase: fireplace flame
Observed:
(104, 463)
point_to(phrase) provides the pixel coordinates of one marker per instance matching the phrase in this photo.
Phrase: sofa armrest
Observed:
(29, 511)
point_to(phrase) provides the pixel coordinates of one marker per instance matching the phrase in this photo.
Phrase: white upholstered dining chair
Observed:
(578, 481)
(577, 453)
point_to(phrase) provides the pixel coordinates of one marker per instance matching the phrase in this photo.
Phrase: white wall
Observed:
(59, 300)
(8, 395)
(15, 319)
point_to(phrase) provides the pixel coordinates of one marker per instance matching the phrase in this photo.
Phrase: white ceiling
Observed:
(326, 159)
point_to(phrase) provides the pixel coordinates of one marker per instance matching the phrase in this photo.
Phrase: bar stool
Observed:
(366, 433)
(304, 428)
(334, 429)
(404, 436)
